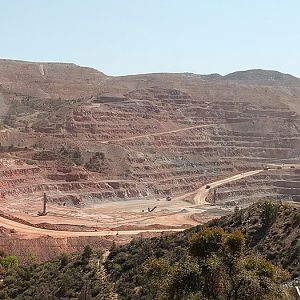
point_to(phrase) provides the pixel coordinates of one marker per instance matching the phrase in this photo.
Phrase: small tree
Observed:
(269, 213)
(9, 263)
(157, 268)
(86, 255)
(235, 243)
(64, 260)
(206, 242)
(225, 271)
(85, 293)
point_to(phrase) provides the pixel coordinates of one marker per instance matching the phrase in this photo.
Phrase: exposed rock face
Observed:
(45, 248)
(271, 184)
(140, 136)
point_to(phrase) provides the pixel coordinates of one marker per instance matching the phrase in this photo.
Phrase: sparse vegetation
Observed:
(204, 262)
(73, 155)
(66, 277)
(269, 213)
(65, 155)
(234, 261)
(97, 163)
(216, 269)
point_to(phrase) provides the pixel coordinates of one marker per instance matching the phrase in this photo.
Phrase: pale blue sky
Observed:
(122, 37)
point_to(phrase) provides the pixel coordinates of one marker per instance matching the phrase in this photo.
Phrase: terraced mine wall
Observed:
(281, 184)
(141, 137)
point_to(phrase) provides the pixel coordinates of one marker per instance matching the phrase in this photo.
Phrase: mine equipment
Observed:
(151, 209)
(44, 212)
(215, 197)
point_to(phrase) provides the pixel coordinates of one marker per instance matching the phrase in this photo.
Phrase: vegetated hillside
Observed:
(45, 248)
(271, 230)
(144, 267)
(71, 276)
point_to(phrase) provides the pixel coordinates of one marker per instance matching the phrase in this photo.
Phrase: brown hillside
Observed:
(143, 138)
(47, 80)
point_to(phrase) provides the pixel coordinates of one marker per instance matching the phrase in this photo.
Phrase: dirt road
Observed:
(199, 197)
(202, 193)
(157, 133)
(31, 231)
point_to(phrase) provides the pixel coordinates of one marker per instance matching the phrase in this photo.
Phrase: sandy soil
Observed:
(112, 218)
(30, 231)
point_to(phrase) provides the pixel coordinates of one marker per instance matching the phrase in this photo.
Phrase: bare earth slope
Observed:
(140, 152)
(48, 80)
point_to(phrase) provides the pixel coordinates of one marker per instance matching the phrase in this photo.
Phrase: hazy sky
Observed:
(122, 37)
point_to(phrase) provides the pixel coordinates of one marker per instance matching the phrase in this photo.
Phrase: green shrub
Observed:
(3, 294)
(64, 260)
(86, 255)
(8, 280)
(269, 213)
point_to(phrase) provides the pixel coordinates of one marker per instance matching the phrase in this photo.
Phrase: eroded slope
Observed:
(140, 137)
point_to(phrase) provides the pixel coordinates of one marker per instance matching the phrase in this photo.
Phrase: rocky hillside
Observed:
(68, 131)
(272, 230)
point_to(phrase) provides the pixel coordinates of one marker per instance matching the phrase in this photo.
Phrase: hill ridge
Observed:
(257, 73)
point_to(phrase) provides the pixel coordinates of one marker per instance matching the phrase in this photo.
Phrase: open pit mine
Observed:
(90, 158)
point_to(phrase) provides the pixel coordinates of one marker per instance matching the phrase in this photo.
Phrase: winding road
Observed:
(35, 231)
(199, 198)
(203, 192)
(158, 133)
